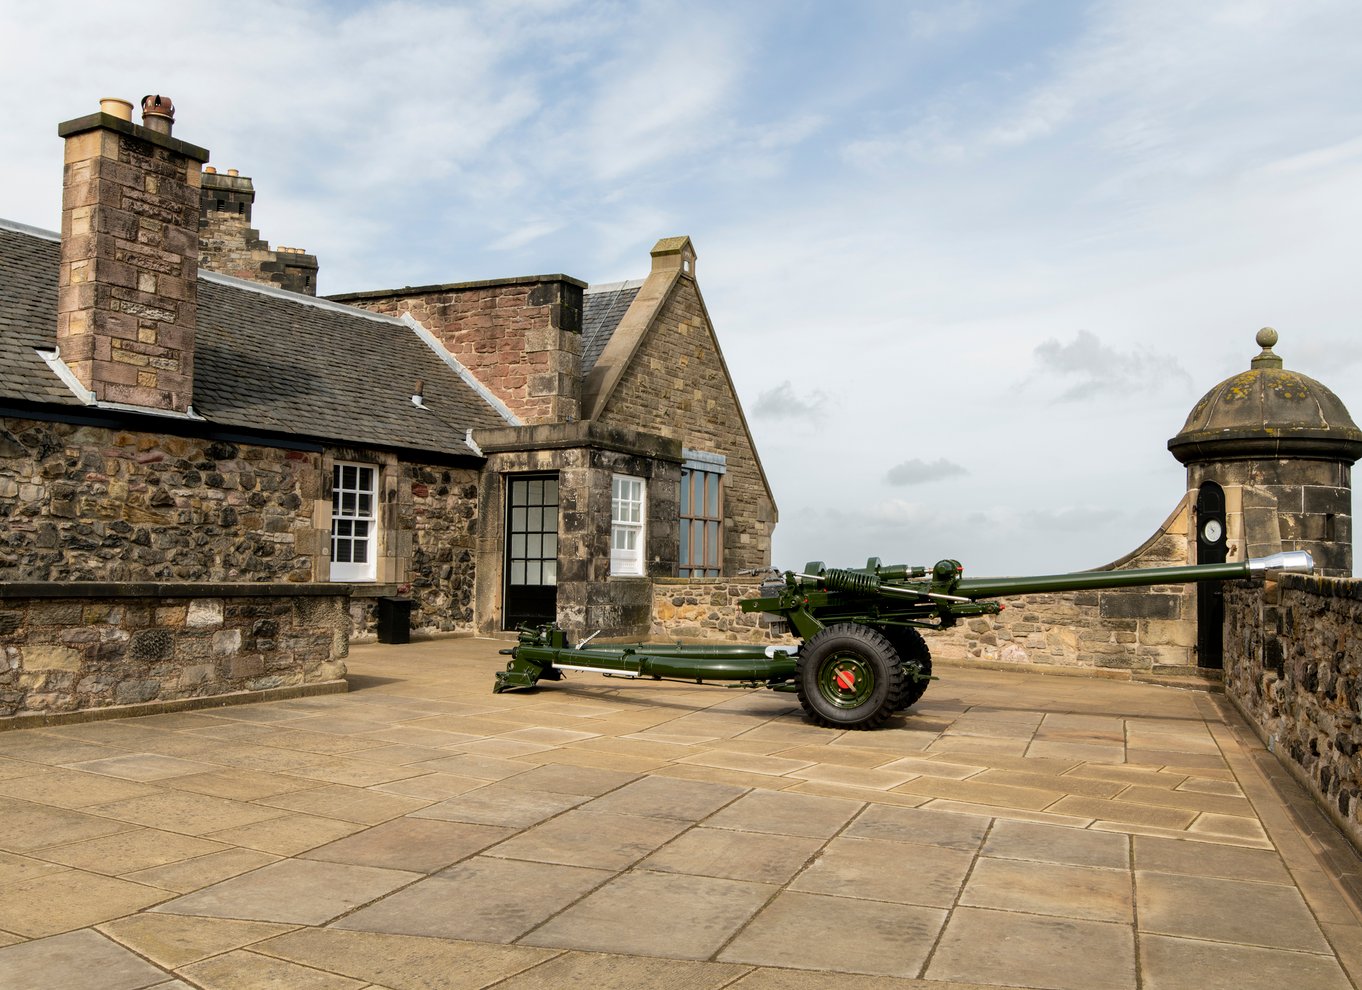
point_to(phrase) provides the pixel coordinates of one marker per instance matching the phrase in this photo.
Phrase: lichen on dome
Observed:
(1268, 410)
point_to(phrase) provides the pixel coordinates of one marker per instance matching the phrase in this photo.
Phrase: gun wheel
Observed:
(850, 677)
(912, 650)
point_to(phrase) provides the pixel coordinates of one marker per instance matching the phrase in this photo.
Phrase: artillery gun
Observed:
(860, 657)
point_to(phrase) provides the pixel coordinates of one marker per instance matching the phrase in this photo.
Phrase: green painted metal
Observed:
(856, 625)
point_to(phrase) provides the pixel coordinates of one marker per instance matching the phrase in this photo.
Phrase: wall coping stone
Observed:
(1328, 587)
(487, 283)
(37, 720)
(169, 589)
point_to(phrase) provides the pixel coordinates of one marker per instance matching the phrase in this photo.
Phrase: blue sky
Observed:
(971, 263)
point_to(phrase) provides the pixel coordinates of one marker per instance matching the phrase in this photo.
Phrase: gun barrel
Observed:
(1296, 561)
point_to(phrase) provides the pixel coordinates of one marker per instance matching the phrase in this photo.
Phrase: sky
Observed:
(970, 263)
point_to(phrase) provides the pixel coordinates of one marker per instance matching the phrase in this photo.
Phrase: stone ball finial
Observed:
(1266, 357)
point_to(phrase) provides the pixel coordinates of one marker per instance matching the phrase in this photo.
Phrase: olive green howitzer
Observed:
(860, 656)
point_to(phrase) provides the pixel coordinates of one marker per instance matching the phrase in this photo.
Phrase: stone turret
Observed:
(1281, 446)
(229, 245)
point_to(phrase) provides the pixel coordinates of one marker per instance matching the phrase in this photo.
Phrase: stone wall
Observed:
(442, 526)
(1286, 504)
(84, 503)
(79, 647)
(1135, 629)
(1293, 667)
(677, 386)
(686, 609)
(521, 337)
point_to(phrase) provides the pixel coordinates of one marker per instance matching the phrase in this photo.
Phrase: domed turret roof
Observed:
(1268, 411)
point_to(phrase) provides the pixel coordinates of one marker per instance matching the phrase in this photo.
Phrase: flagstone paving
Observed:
(1012, 830)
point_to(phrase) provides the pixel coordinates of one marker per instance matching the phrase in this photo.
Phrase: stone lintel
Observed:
(589, 433)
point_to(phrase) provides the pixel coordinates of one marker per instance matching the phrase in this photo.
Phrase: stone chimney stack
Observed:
(128, 292)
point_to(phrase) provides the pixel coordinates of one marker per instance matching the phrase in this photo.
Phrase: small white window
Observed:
(353, 522)
(626, 526)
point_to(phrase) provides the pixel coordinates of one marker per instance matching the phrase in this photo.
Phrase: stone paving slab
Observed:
(1013, 830)
(78, 960)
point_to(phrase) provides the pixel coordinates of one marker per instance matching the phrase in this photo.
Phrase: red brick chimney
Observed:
(128, 293)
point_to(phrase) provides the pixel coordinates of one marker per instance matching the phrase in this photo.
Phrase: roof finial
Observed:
(1266, 359)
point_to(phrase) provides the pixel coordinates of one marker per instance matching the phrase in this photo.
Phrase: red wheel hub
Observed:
(846, 680)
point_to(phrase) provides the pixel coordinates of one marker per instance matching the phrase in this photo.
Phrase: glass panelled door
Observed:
(530, 566)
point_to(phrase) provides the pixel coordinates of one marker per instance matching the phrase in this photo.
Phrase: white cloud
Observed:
(1086, 368)
(918, 471)
(784, 401)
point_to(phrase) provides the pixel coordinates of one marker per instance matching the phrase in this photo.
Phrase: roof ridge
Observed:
(275, 292)
(23, 228)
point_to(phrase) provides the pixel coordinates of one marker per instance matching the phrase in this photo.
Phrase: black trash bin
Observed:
(394, 620)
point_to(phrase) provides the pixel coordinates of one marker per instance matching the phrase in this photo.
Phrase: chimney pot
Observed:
(232, 171)
(116, 107)
(209, 169)
(158, 113)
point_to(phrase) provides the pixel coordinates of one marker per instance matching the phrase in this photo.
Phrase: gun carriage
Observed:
(861, 656)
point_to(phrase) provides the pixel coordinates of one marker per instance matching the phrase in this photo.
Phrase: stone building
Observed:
(515, 450)
(229, 245)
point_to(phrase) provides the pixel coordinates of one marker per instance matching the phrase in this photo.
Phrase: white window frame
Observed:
(628, 522)
(351, 526)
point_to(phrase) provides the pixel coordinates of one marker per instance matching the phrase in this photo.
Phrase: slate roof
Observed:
(603, 306)
(264, 359)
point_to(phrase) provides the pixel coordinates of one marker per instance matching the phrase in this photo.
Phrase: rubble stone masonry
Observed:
(706, 609)
(442, 521)
(84, 503)
(1293, 667)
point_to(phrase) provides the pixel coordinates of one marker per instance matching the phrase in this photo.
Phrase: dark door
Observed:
(1210, 595)
(530, 566)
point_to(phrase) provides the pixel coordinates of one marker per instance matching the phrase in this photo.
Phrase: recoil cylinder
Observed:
(859, 582)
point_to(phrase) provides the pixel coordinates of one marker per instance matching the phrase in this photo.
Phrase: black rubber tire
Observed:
(850, 677)
(913, 652)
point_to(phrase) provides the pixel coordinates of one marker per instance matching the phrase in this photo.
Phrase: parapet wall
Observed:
(1293, 668)
(79, 647)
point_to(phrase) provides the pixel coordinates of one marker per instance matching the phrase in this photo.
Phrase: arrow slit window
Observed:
(626, 526)
(353, 522)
